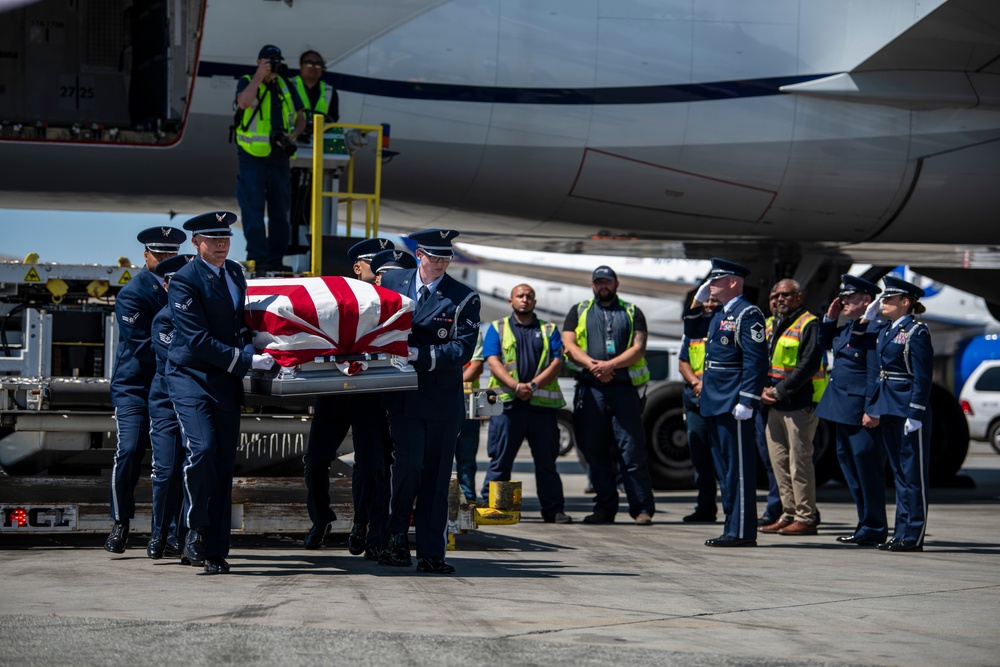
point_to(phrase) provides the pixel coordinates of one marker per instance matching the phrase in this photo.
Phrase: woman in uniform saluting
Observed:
(899, 404)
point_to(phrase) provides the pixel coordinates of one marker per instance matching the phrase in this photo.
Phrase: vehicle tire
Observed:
(567, 441)
(949, 436)
(993, 436)
(668, 456)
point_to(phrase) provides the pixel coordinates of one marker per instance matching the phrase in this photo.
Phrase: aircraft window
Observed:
(989, 381)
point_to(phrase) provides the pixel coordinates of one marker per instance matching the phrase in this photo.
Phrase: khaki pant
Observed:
(790, 446)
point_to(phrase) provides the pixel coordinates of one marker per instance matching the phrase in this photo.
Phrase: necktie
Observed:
(422, 296)
(222, 277)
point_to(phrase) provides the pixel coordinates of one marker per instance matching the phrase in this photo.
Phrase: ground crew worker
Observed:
(772, 503)
(900, 405)
(268, 121)
(467, 445)
(135, 365)
(207, 360)
(691, 365)
(333, 415)
(167, 533)
(315, 95)
(735, 373)
(605, 337)
(852, 382)
(525, 356)
(425, 423)
(797, 379)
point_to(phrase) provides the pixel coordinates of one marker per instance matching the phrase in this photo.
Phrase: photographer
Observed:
(268, 120)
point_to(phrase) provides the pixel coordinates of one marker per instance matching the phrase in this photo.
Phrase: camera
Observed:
(285, 144)
(278, 67)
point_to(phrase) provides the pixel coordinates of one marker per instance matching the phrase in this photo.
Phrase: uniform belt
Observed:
(889, 375)
(723, 365)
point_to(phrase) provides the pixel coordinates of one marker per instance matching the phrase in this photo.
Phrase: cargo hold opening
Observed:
(105, 71)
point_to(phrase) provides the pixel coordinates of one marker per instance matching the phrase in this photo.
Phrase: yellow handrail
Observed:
(371, 199)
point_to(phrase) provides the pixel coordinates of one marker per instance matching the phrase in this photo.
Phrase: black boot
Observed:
(398, 553)
(117, 539)
(157, 544)
(357, 540)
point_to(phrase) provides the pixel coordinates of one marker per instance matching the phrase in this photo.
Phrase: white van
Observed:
(980, 400)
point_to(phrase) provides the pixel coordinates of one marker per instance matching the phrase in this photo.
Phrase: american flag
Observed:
(298, 319)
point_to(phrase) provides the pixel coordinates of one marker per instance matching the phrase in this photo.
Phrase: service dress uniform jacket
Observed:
(135, 365)
(425, 423)
(205, 366)
(859, 450)
(735, 373)
(164, 434)
(905, 357)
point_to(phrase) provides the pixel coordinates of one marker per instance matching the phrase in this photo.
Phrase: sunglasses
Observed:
(315, 64)
(782, 295)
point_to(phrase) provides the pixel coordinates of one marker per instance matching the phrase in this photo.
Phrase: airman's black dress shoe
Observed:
(173, 547)
(729, 541)
(434, 565)
(357, 539)
(700, 516)
(599, 516)
(117, 539)
(157, 545)
(374, 553)
(316, 535)
(194, 549)
(398, 553)
(854, 539)
(216, 565)
(895, 545)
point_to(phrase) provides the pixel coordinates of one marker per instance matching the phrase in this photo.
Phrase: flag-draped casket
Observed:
(296, 320)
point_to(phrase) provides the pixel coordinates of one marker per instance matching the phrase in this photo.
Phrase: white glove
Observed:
(355, 139)
(873, 310)
(742, 412)
(910, 426)
(703, 292)
(412, 353)
(262, 362)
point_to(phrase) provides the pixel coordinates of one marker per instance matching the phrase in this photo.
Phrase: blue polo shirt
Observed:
(529, 346)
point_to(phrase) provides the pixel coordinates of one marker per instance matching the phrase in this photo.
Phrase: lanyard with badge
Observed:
(609, 339)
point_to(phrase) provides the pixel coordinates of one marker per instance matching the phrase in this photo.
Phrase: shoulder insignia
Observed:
(183, 306)
(131, 319)
(757, 332)
(166, 337)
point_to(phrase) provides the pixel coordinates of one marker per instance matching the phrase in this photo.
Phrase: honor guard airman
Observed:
(365, 415)
(852, 382)
(167, 533)
(735, 373)
(900, 405)
(135, 364)
(389, 260)
(207, 360)
(425, 423)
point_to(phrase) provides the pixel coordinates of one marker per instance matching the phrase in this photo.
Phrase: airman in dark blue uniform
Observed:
(165, 434)
(364, 413)
(207, 360)
(135, 364)
(425, 423)
(735, 374)
(900, 406)
(852, 382)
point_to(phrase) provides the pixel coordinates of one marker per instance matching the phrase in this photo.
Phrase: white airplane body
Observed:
(557, 119)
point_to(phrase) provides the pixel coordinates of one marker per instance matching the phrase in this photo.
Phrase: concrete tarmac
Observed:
(531, 594)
